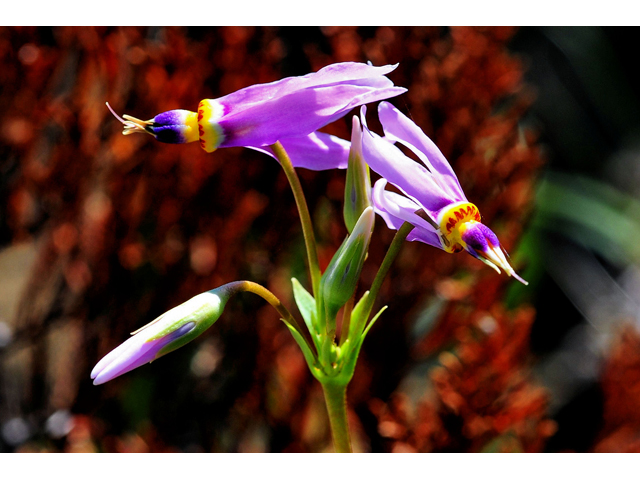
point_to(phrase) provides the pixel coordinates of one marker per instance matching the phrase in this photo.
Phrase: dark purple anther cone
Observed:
(174, 126)
(478, 236)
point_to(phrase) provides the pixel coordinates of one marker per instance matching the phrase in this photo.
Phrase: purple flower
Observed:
(169, 331)
(432, 199)
(263, 114)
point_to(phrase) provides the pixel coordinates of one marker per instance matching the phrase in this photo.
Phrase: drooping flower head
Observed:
(432, 200)
(263, 114)
(166, 333)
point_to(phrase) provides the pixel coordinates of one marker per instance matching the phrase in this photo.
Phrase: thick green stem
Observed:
(336, 397)
(392, 253)
(303, 211)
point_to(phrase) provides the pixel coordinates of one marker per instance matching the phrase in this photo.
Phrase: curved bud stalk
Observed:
(185, 322)
(357, 190)
(339, 281)
(166, 333)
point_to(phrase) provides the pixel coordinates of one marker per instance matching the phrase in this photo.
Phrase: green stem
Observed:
(303, 211)
(392, 253)
(336, 397)
(257, 289)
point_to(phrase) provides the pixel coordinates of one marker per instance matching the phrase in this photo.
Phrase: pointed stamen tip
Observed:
(519, 278)
(120, 119)
(131, 124)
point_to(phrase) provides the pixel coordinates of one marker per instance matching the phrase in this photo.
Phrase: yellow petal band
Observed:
(210, 132)
(451, 219)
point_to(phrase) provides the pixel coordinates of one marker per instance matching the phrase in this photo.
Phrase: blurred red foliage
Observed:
(483, 397)
(621, 388)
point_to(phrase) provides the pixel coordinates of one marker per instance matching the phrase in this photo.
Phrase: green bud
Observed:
(357, 190)
(341, 277)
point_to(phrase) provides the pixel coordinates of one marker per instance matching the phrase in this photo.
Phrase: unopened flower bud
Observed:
(341, 277)
(357, 190)
(168, 332)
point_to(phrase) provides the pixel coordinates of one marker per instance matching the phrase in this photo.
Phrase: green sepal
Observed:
(309, 356)
(373, 320)
(358, 316)
(306, 304)
(350, 351)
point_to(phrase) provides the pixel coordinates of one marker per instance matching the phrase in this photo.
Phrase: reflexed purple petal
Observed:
(352, 72)
(396, 209)
(408, 175)
(398, 206)
(401, 129)
(424, 236)
(393, 221)
(295, 114)
(318, 151)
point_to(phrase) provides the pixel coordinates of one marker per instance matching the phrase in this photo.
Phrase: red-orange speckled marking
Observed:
(211, 134)
(451, 219)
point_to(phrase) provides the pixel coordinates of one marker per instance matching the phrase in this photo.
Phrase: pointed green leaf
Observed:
(357, 317)
(351, 350)
(306, 304)
(309, 356)
(373, 320)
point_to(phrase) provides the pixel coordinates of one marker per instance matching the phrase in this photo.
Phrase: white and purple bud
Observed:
(166, 333)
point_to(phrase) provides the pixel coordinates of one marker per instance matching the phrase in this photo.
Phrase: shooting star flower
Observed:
(286, 109)
(432, 200)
